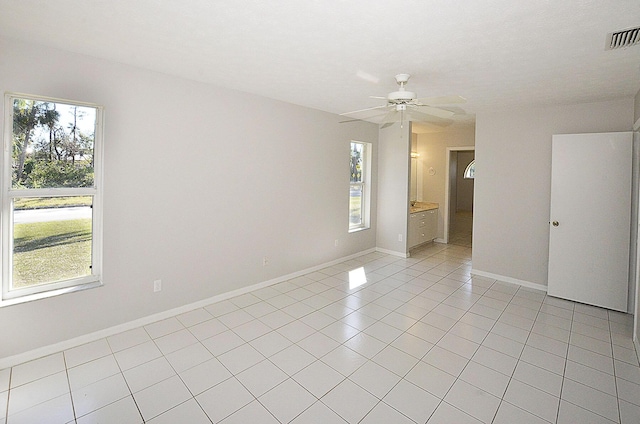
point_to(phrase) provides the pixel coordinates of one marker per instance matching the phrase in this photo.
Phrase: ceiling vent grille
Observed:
(625, 38)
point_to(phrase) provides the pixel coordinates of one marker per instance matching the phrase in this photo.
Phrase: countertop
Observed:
(423, 206)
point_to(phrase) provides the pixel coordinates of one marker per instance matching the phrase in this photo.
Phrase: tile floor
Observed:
(420, 342)
(461, 229)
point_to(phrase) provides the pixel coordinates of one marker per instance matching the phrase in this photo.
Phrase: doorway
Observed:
(458, 214)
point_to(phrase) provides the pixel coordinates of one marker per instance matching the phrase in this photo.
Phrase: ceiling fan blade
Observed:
(378, 97)
(425, 127)
(418, 116)
(351, 120)
(433, 111)
(390, 118)
(442, 100)
(363, 110)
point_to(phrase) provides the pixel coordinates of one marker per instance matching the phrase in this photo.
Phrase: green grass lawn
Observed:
(46, 252)
(355, 209)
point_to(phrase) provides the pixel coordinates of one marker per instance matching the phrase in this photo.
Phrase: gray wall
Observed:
(636, 108)
(393, 188)
(200, 183)
(513, 181)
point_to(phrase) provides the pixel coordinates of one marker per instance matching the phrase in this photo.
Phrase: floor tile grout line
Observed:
(441, 303)
(564, 369)
(397, 285)
(121, 371)
(288, 376)
(615, 378)
(514, 369)
(6, 410)
(66, 370)
(371, 359)
(435, 344)
(564, 378)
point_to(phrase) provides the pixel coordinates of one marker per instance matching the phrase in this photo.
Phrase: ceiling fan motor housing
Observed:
(401, 96)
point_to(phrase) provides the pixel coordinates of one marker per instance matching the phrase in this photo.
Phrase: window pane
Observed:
(355, 205)
(51, 239)
(356, 162)
(52, 144)
(470, 171)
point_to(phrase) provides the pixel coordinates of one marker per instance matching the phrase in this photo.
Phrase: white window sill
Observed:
(50, 293)
(355, 230)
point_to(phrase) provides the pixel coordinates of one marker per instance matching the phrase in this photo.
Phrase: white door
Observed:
(590, 217)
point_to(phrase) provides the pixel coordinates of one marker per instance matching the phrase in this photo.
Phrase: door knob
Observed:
(555, 223)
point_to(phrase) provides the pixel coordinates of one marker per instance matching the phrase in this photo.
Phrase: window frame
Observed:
(470, 171)
(8, 193)
(365, 185)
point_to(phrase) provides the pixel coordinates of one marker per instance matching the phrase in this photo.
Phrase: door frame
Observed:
(636, 241)
(447, 188)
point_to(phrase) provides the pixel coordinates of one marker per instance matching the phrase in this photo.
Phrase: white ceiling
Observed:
(332, 54)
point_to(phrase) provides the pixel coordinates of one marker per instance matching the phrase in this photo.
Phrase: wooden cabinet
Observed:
(423, 227)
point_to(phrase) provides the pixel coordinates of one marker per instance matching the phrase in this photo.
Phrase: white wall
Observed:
(513, 181)
(200, 183)
(393, 188)
(433, 153)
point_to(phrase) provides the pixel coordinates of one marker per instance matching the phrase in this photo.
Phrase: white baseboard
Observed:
(393, 252)
(30, 355)
(511, 280)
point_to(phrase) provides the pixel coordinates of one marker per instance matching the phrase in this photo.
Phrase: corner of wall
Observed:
(636, 112)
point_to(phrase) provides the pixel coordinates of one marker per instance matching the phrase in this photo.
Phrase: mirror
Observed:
(413, 191)
(413, 184)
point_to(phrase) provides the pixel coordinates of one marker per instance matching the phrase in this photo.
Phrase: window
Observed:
(359, 186)
(51, 197)
(470, 170)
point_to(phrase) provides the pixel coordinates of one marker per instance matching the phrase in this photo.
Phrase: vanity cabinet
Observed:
(423, 227)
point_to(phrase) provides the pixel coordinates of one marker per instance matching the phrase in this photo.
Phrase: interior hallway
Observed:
(420, 341)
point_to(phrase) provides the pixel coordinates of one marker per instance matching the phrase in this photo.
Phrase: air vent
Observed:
(626, 38)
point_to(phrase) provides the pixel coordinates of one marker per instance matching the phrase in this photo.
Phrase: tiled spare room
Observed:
(320, 212)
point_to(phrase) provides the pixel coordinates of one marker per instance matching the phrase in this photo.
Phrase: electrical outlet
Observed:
(335, 243)
(265, 261)
(157, 285)
(399, 237)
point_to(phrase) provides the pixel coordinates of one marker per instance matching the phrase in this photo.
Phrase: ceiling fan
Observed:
(403, 104)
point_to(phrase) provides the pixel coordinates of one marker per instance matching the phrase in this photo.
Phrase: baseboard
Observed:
(393, 252)
(30, 355)
(636, 342)
(440, 240)
(511, 280)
